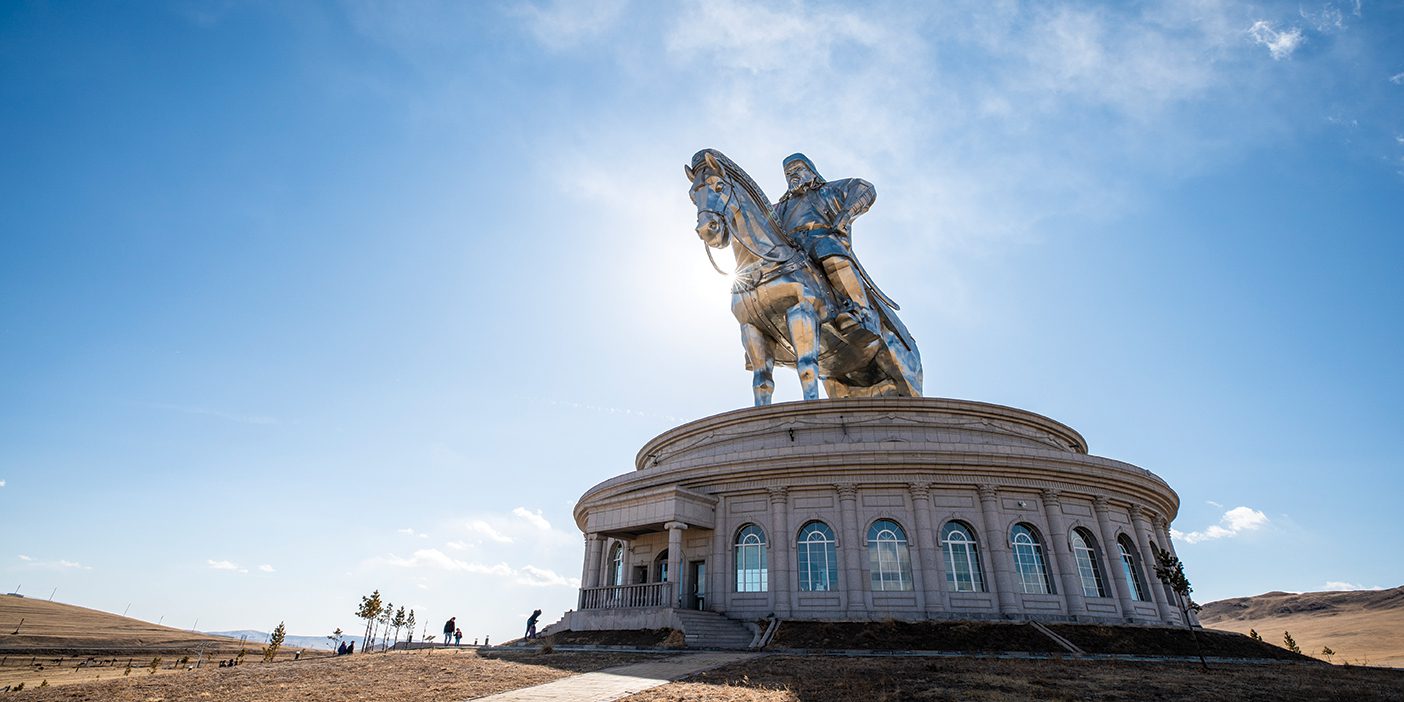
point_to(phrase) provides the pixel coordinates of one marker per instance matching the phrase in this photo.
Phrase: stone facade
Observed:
(860, 467)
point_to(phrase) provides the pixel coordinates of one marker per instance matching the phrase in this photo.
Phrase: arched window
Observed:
(616, 564)
(660, 567)
(1131, 568)
(1084, 549)
(888, 560)
(750, 559)
(962, 558)
(818, 558)
(1028, 560)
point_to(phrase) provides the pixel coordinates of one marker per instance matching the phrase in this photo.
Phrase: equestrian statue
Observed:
(800, 295)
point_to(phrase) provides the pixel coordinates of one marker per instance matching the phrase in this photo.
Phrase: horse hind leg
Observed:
(803, 322)
(762, 364)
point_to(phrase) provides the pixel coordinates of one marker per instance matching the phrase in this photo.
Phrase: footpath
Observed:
(614, 683)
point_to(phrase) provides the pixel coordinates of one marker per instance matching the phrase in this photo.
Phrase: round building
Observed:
(873, 508)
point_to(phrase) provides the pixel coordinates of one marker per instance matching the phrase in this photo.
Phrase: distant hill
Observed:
(314, 643)
(31, 626)
(1361, 626)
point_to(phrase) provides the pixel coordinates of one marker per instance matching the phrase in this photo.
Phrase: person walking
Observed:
(531, 624)
(449, 628)
(457, 637)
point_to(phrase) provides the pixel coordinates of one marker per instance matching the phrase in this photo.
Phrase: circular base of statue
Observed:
(904, 508)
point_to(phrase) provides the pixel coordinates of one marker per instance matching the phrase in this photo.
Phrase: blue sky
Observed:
(301, 300)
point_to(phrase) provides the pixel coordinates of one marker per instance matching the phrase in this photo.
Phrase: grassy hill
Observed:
(1361, 626)
(49, 627)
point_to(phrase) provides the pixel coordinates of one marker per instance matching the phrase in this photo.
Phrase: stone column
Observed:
(1141, 522)
(1063, 559)
(851, 546)
(594, 545)
(1001, 560)
(1161, 531)
(675, 559)
(780, 551)
(1108, 538)
(926, 565)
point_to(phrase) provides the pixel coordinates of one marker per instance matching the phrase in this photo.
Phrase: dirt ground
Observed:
(34, 670)
(832, 679)
(378, 677)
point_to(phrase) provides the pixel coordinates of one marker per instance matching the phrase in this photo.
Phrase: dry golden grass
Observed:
(832, 679)
(1362, 626)
(378, 677)
(64, 627)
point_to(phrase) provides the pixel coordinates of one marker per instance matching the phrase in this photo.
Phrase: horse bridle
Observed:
(726, 230)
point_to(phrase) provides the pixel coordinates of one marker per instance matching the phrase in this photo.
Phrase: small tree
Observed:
(386, 614)
(275, 642)
(1254, 635)
(155, 663)
(369, 610)
(335, 637)
(1290, 642)
(409, 624)
(1326, 651)
(1169, 570)
(398, 621)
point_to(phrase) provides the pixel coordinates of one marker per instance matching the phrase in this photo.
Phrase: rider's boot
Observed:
(856, 310)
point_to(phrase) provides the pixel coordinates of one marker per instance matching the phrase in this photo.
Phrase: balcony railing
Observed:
(625, 596)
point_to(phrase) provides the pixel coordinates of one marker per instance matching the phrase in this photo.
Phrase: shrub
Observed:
(274, 643)
(155, 663)
(1254, 635)
(1290, 642)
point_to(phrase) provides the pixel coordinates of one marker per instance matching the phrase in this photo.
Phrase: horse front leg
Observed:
(763, 375)
(803, 321)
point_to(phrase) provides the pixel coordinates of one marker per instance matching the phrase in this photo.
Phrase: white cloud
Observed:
(1397, 79)
(1234, 522)
(1341, 586)
(457, 545)
(222, 565)
(60, 564)
(563, 23)
(1279, 44)
(2, 483)
(482, 528)
(407, 531)
(266, 568)
(1212, 503)
(535, 518)
(540, 577)
(434, 559)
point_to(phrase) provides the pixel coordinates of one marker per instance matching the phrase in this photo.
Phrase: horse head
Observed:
(711, 193)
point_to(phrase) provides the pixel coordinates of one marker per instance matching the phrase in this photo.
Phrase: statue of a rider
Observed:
(817, 214)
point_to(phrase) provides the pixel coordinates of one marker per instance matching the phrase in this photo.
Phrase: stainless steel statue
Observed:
(801, 297)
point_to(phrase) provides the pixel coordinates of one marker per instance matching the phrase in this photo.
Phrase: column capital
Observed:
(847, 491)
(987, 491)
(670, 526)
(1100, 503)
(778, 495)
(1051, 496)
(592, 537)
(1159, 522)
(1137, 512)
(919, 491)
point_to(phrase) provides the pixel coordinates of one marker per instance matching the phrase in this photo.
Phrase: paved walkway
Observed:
(614, 683)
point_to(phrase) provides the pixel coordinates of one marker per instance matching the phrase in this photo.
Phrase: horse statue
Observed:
(785, 304)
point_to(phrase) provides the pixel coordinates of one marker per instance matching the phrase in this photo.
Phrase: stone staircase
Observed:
(712, 630)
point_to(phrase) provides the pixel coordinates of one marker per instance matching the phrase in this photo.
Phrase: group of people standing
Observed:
(452, 632)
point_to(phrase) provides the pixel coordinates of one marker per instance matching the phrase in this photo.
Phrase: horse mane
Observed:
(736, 174)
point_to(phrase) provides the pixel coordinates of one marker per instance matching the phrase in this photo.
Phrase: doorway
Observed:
(697, 585)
